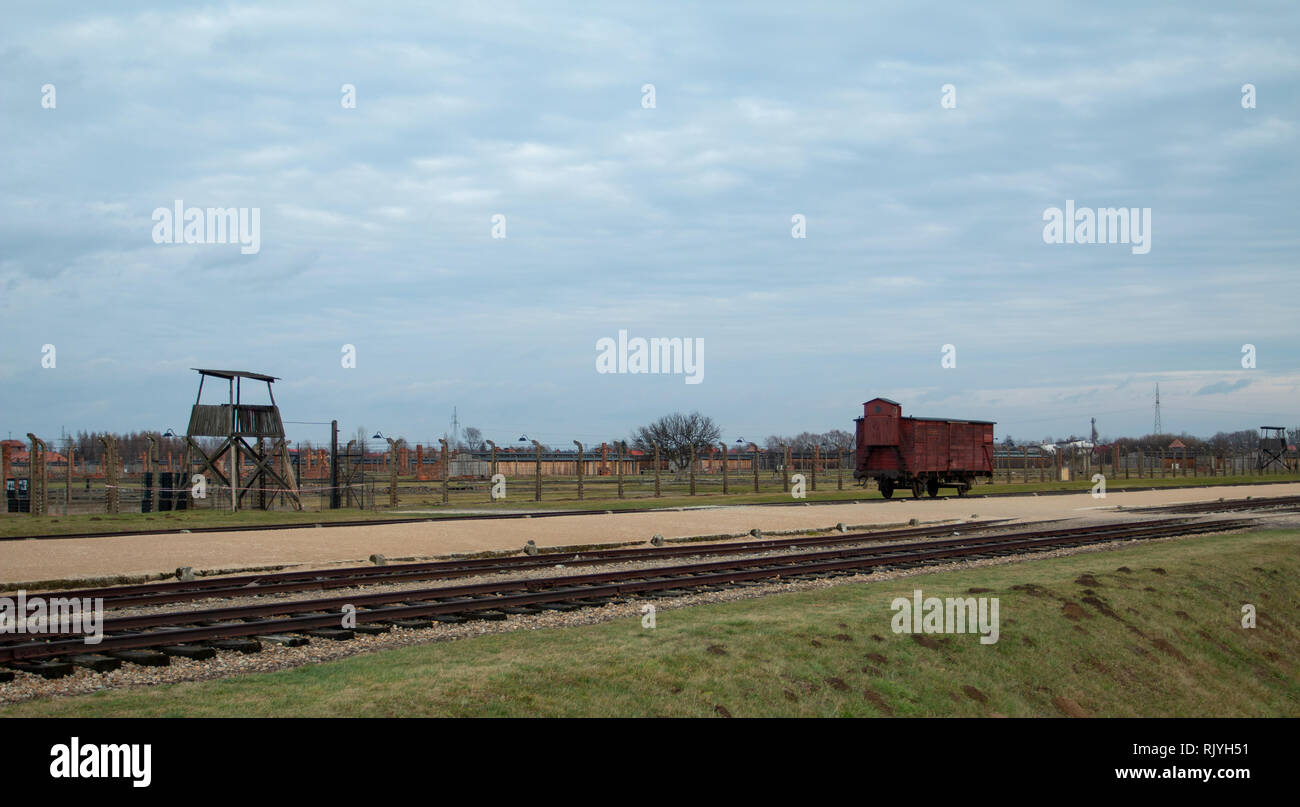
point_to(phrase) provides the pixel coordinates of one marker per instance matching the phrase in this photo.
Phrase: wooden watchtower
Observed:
(1272, 447)
(237, 423)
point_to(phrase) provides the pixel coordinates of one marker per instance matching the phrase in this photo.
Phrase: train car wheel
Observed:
(917, 487)
(887, 488)
(932, 487)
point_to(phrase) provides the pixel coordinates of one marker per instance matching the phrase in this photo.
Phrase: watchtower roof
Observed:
(229, 374)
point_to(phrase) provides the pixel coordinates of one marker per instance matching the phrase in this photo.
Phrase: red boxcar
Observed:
(920, 453)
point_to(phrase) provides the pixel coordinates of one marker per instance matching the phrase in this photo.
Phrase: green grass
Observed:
(1173, 645)
(558, 495)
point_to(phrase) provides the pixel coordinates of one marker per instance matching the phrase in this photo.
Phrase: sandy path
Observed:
(27, 561)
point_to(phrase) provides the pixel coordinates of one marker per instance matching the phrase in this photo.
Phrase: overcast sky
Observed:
(924, 224)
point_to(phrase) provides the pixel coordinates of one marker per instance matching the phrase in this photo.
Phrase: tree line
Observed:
(86, 446)
(675, 433)
(1243, 441)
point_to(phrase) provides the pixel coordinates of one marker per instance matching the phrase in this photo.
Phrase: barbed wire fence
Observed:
(418, 475)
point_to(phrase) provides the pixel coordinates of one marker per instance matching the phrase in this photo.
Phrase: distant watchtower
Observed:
(1272, 447)
(237, 422)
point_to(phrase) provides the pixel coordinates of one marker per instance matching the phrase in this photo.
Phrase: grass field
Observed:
(559, 497)
(1146, 631)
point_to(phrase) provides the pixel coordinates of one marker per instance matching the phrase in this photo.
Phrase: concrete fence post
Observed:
(754, 448)
(150, 461)
(4, 474)
(580, 462)
(839, 466)
(724, 469)
(816, 458)
(346, 497)
(622, 452)
(336, 498)
(117, 475)
(537, 491)
(67, 488)
(446, 468)
(658, 491)
(692, 469)
(36, 475)
(392, 472)
(785, 467)
(45, 479)
(110, 474)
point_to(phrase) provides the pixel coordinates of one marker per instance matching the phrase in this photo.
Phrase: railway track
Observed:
(154, 637)
(1289, 503)
(147, 594)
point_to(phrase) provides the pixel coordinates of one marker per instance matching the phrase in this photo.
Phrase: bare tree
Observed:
(675, 434)
(836, 439)
(839, 440)
(473, 439)
(804, 441)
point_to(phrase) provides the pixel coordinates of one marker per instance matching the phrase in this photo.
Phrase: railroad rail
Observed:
(143, 594)
(1227, 505)
(186, 632)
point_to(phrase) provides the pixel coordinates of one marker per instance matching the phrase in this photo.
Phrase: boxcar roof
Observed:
(886, 400)
(943, 420)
